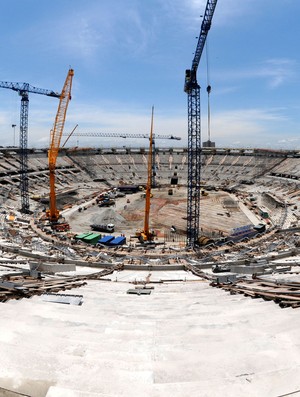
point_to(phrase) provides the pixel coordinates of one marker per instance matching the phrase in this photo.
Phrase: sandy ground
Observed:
(166, 210)
(185, 339)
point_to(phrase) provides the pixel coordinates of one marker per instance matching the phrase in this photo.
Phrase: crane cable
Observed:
(208, 89)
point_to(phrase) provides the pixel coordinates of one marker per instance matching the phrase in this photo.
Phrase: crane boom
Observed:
(56, 135)
(192, 88)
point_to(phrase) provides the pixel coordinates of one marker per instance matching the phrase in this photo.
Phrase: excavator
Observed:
(55, 136)
(146, 235)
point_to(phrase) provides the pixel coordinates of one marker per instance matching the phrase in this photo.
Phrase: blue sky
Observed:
(131, 54)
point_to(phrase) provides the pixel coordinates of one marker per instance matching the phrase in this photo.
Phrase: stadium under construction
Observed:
(148, 271)
(88, 312)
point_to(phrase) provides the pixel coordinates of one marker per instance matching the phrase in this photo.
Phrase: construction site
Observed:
(145, 312)
(150, 270)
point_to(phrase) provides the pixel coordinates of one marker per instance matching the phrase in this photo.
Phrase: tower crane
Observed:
(192, 88)
(125, 135)
(23, 90)
(56, 134)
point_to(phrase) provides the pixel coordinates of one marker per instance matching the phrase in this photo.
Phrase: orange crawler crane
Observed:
(56, 134)
(147, 235)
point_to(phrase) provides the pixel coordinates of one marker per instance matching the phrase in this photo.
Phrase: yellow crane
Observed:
(56, 134)
(146, 234)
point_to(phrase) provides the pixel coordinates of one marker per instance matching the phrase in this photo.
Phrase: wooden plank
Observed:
(285, 295)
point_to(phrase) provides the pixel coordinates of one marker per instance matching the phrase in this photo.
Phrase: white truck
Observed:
(107, 227)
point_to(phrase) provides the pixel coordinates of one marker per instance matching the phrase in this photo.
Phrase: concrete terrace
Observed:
(184, 339)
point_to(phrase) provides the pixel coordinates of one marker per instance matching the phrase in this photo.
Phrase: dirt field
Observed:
(166, 210)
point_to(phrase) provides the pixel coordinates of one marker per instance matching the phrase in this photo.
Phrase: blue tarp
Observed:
(118, 241)
(106, 239)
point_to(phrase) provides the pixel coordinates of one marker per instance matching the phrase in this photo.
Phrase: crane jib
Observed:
(24, 88)
(190, 74)
(123, 135)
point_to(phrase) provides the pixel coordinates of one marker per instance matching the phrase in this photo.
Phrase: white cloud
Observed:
(245, 127)
(242, 127)
(289, 140)
(275, 72)
(97, 30)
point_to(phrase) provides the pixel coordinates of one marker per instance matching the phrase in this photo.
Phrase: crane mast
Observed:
(192, 88)
(23, 90)
(56, 134)
(147, 232)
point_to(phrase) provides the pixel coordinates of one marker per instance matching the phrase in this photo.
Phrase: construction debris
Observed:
(286, 294)
(139, 291)
(63, 298)
(18, 287)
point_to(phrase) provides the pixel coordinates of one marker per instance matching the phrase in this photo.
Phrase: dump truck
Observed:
(106, 227)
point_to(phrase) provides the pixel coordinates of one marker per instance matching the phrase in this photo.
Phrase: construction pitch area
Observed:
(166, 211)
